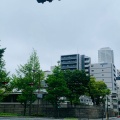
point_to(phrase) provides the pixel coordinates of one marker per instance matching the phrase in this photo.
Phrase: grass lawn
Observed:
(7, 114)
(71, 119)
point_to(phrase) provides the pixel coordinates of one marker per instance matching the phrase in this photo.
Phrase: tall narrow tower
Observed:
(105, 55)
(105, 70)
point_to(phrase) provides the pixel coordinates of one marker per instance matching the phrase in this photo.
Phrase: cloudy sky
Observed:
(58, 28)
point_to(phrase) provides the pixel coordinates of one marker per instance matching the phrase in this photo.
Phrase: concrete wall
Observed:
(48, 111)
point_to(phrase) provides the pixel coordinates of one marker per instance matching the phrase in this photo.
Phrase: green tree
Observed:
(5, 87)
(4, 77)
(77, 82)
(57, 88)
(27, 80)
(1, 52)
(98, 91)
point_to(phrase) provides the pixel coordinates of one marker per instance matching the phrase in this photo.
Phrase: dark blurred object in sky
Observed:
(42, 1)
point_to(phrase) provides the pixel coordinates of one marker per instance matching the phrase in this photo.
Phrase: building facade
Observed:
(70, 62)
(105, 55)
(118, 84)
(118, 73)
(107, 73)
(86, 100)
(76, 62)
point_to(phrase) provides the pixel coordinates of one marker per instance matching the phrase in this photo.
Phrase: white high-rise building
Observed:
(105, 55)
(118, 73)
(106, 72)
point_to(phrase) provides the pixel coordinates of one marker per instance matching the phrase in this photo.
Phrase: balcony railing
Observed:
(69, 62)
(67, 67)
(67, 58)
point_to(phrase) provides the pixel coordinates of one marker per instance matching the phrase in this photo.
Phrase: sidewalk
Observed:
(110, 118)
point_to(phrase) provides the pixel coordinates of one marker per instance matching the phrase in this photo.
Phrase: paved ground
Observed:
(26, 118)
(13, 118)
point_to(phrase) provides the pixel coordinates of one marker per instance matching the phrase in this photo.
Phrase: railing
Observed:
(67, 58)
(69, 62)
(67, 67)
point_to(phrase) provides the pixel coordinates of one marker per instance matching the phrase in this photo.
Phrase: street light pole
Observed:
(38, 95)
(107, 108)
(31, 84)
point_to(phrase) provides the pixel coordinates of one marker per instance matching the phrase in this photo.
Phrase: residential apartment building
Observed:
(70, 62)
(118, 73)
(105, 70)
(118, 86)
(76, 62)
(85, 63)
(107, 73)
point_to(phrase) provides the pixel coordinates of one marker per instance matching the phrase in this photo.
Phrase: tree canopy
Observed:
(2, 50)
(27, 80)
(4, 77)
(77, 82)
(98, 90)
(73, 84)
(57, 87)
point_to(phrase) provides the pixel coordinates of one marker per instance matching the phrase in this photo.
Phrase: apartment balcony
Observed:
(68, 58)
(118, 106)
(69, 67)
(114, 92)
(114, 97)
(88, 65)
(115, 103)
(86, 70)
(69, 62)
(87, 61)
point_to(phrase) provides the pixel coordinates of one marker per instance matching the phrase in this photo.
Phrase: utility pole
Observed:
(38, 95)
(107, 118)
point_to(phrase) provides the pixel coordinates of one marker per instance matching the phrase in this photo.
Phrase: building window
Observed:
(92, 65)
(102, 70)
(92, 70)
(102, 74)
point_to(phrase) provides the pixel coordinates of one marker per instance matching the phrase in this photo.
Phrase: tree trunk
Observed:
(56, 110)
(25, 105)
(30, 106)
(98, 101)
(71, 103)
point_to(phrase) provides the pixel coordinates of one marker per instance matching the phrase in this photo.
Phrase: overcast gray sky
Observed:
(58, 28)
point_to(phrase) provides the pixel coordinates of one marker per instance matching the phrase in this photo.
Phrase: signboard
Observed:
(39, 95)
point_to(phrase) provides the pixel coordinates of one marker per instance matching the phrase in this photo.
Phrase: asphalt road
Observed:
(13, 118)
